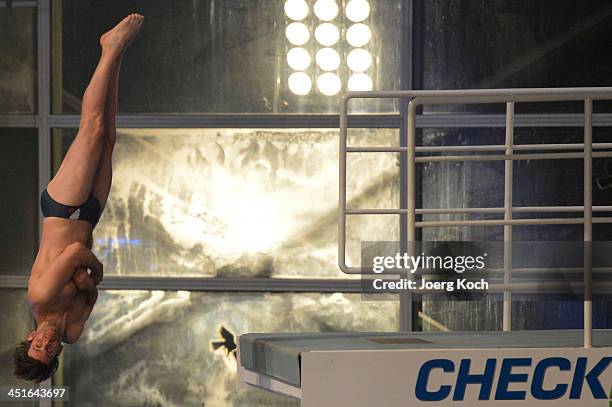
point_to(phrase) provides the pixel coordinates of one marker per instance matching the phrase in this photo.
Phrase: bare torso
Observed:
(70, 302)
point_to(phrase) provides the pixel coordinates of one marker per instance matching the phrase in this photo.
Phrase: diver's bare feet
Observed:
(121, 36)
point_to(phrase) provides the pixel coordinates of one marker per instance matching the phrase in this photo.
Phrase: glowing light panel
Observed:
(298, 58)
(296, 9)
(297, 33)
(326, 10)
(357, 10)
(300, 83)
(358, 35)
(329, 84)
(328, 59)
(327, 34)
(360, 81)
(359, 60)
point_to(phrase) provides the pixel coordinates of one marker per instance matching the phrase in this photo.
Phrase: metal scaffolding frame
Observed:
(483, 96)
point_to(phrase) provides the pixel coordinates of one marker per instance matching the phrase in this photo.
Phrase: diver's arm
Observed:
(52, 280)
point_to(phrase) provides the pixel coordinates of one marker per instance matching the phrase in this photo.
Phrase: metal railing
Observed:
(508, 152)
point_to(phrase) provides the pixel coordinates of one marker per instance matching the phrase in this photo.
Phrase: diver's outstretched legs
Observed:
(87, 166)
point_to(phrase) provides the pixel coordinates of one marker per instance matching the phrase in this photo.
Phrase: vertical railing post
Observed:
(508, 181)
(406, 323)
(588, 220)
(342, 182)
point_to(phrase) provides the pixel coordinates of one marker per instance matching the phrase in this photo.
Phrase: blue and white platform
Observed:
(522, 368)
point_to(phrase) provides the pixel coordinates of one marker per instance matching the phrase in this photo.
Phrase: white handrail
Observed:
(510, 151)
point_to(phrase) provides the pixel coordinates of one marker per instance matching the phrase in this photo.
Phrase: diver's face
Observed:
(45, 343)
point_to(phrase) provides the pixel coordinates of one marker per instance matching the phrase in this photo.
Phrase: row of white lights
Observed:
(327, 34)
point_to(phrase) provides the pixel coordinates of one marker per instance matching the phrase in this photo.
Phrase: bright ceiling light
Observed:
(360, 81)
(296, 9)
(329, 84)
(326, 10)
(358, 35)
(327, 34)
(359, 60)
(300, 83)
(357, 10)
(297, 33)
(298, 58)
(328, 59)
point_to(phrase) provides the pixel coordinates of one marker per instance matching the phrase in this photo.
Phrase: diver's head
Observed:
(36, 358)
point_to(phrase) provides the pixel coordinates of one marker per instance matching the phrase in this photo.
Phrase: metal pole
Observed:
(508, 181)
(342, 185)
(486, 222)
(479, 148)
(407, 52)
(44, 94)
(479, 211)
(515, 147)
(466, 158)
(411, 167)
(44, 111)
(410, 202)
(588, 220)
(519, 157)
(458, 96)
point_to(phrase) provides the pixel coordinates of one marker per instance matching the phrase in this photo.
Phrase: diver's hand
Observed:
(84, 258)
(85, 282)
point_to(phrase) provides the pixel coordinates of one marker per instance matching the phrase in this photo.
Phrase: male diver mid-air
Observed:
(61, 291)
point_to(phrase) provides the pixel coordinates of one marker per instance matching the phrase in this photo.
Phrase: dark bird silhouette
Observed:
(227, 342)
